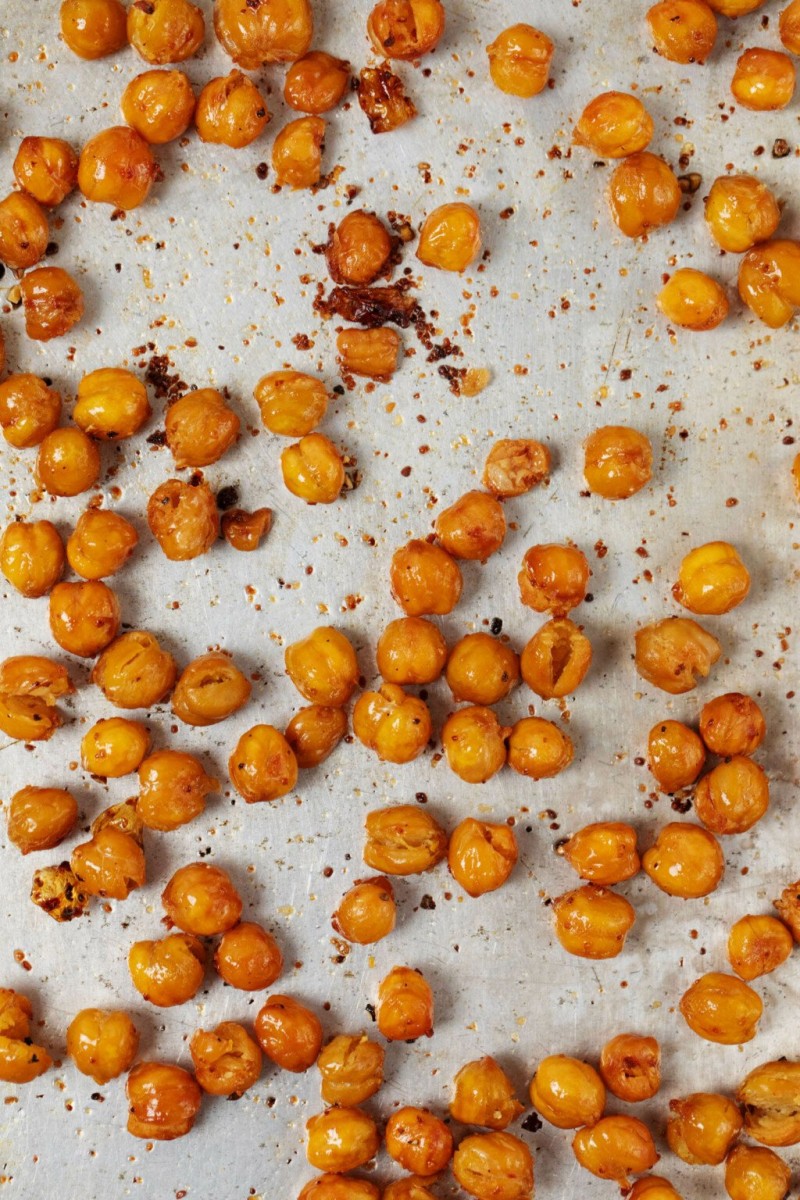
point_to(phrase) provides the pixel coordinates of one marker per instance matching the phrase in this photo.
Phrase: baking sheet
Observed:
(217, 273)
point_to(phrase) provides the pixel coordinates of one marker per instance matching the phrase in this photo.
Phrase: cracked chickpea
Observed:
(770, 1100)
(733, 797)
(756, 1173)
(712, 579)
(313, 469)
(248, 957)
(291, 403)
(52, 302)
(722, 1008)
(703, 1127)
(231, 111)
(200, 428)
(263, 765)
(758, 945)
(227, 1062)
(418, 1141)
(404, 1006)
(93, 28)
(359, 248)
(403, 840)
(450, 237)
(396, 725)
(515, 466)
(341, 1139)
(102, 1043)
(686, 861)
(425, 579)
(31, 557)
(209, 690)
(373, 353)
(201, 899)
(100, 544)
(693, 300)
(84, 617)
(411, 650)
(117, 167)
(616, 1148)
(675, 755)
(769, 281)
(24, 232)
(289, 1034)
(553, 578)
(474, 743)
(604, 853)
(314, 733)
(159, 105)
(114, 746)
(351, 1067)
(481, 669)
(644, 194)
(29, 410)
(163, 1101)
(484, 1095)
(630, 1066)
(741, 211)
(593, 922)
(406, 29)
(183, 518)
(764, 79)
(30, 688)
(538, 748)
(316, 82)
(134, 671)
(165, 31)
(481, 856)
(167, 972)
(494, 1166)
(264, 33)
(173, 786)
(39, 818)
(732, 724)
(47, 169)
(323, 667)
(618, 462)
(367, 913)
(555, 661)
(472, 528)
(614, 125)
(673, 652)
(519, 60)
(567, 1092)
(67, 463)
(683, 31)
(297, 153)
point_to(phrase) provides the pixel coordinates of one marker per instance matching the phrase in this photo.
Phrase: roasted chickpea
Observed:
(732, 797)
(31, 556)
(450, 237)
(685, 861)
(538, 748)
(359, 248)
(101, 543)
(16, 1012)
(58, 892)
(84, 617)
(406, 29)
(291, 403)
(474, 743)
(117, 167)
(425, 579)
(732, 725)
(703, 1127)
(644, 194)
(721, 1008)
(226, 1060)
(163, 1101)
(481, 669)
(567, 1092)
(769, 281)
(315, 732)
(369, 352)
(110, 864)
(248, 957)
(210, 689)
(21, 1060)
(263, 765)
(30, 687)
(770, 1100)
(366, 914)
(289, 1034)
(519, 60)
(693, 300)
(38, 819)
(618, 462)
(341, 1139)
(183, 518)
(169, 971)
(394, 724)
(553, 578)
(46, 168)
(135, 672)
(313, 469)
(114, 747)
(403, 840)
(758, 945)
(484, 1095)
(671, 653)
(323, 667)
(351, 1067)
(603, 853)
(200, 428)
(52, 302)
(614, 125)
(159, 105)
(592, 922)
(514, 466)
(653, 1187)
(280, 31)
(419, 1141)
(404, 1008)
(494, 1166)
(615, 1148)
(684, 31)
(734, 8)
(755, 1173)
(172, 789)
(631, 1067)
(472, 528)
(741, 211)
(411, 650)
(24, 232)
(165, 31)
(481, 856)
(231, 111)
(788, 906)
(297, 152)
(712, 579)
(123, 817)
(790, 31)
(102, 1044)
(93, 28)
(345, 1187)
(29, 410)
(316, 82)
(201, 899)
(675, 755)
(67, 463)
(764, 79)
(244, 530)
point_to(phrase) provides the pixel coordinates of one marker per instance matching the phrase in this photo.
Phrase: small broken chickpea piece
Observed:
(59, 893)
(403, 840)
(764, 79)
(484, 1095)
(316, 82)
(227, 1061)
(592, 922)
(313, 469)
(722, 1008)
(24, 232)
(450, 237)
(367, 913)
(686, 861)
(472, 528)
(297, 152)
(425, 579)
(183, 518)
(618, 462)
(631, 1067)
(643, 194)
(200, 428)
(163, 1101)
(52, 302)
(702, 1128)
(555, 661)
(406, 29)
(358, 249)
(712, 579)
(732, 724)
(614, 125)
(514, 466)
(675, 755)
(553, 578)
(474, 743)
(693, 300)
(314, 733)
(245, 530)
(404, 1006)
(673, 652)
(683, 31)
(382, 97)
(373, 353)
(769, 281)
(396, 725)
(615, 1148)
(758, 945)
(481, 856)
(231, 111)
(519, 60)
(604, 852)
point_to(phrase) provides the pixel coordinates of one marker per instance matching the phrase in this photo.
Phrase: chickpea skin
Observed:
(733, 797)
(163, 1101)
(341, 1139)
(297, 153)
(316, 82)
(114, 746)
(314, 733)
(567, 1092)
(159, 105)
(721, 1008)
(615, 1148)
(291, 403)
(631, 1067)
(758, 945)
(173, 786)
(102, 1044)
(211, 689)
(226, 1060)
(231, 111)
(675, 755)
(693, 300)
(84, 617)
(411, 650)
(323, 667)
(614, 125)
(29, 410)
(117, 167)
(538, 748)
(419, 1141)
(764, 79)
(515, 466)
(484, 1095)
(450, 237)
(200, 428)
(770, 1100)
(740, 212)
(472, 528)
(592, 922)
(263, 765)
(403, 840)
(683, 31)
(24, 232)
(52, 302)
(31, 557)
(351, 1067)
(703, 1127)
(553, 578)
(93, 28)
(481, 669)
(313, 469)
(618, 462)
(248, 957)
(474, 743)
(201, 899)
(134, 671)
(425, 579)
(732, 725)
(166, 31)
(686, 861)
(671, 653)
(359, 249)
(789, 27)
(769, 281)
(396, 725)
(519, 60)
(404, 1007)
(167, 972)
(289, 1034)
(39, 818)
(604, 853)
(481, 856)
(100, 544)
(644, 194)
(277, 32)
(367, 913)
(67, 463)
(756, 1173)
(183, 518)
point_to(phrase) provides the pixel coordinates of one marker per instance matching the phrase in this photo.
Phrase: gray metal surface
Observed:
(217, 273)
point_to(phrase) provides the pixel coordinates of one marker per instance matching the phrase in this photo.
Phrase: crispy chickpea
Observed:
(474, 743)
(396, 725)
(757, 945)
(484, 1095)
(450, 237)
(403, 840)
(183, 518)
(734, 8)
(252, 35)
(764, 79)
(29, 410)
(789, 29)
(712, 579)
(615, 1148)
(323, 667)
(24, 232)
(100, 544)
(693, 300)
(788, 906)
(683, 31)
(110, 864)
(721, 1008)
(419, 1141)
(351, 1067)
(553, 578)
(341, 1139)
(84, 617)
(291, 403)
(102, 1044)
(643, 193)
(686, 861)
(248, 957)
(67, 463)
(159, 105)
(769, 281)
(226, 1060)
(30, 687)
(733, 797)
(231, 111)
(200, 898)
(163, 1101)
(135, 672)
(169, 971)
(741, 211)
(406, 29)
(39, 818)
(297, 152)
(359, 248)
(366, 913)
(313, 469)
(703, 1127)
(481, 856)
(592, 922)
(515, 466)
(494, 1166)
(289, 1034)
(410, 1187)
(603, 853)
(671, 653)
(756, 1173)
(538, 748)
(16, 1012)
(173, 786)
(93, 28)
(732, 724)
(472, 528)
(210, 689)
(631, 1067)
(411, 650)
(567, 1092)
(244, 530)
(52, 302)
(425, 579)
(315, 732)
(404, 1008)
(770, 1100)
(653, 1187)
(31, 556)
(263, 765)
(316, 82)
(117, 167)
(618, 462)
(200, 428)
(675, 755)
(46, 168)
(614, 125)
(344, 1187)
(114, 747)
(481, 669)
(372, 353)
(519, 60)
(123, 817)
(165, 31)
(22, 1061)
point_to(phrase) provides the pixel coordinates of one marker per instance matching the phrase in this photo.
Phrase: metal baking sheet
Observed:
(217, 273)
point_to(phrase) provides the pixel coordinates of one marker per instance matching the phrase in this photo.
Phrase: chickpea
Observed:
(450, 237)
(280, 31)
(407, 1188)
(210, 689)
(481, 669)
(732, 725)
(615, 1148)
(403, 840)
(721, 1008)
(494, 1166)
(519, 60)
(297, 153)
(102, 1044)
(22, 1061)
(46, 168)
(366, 913)
(515, 466)
(345, 1187)
(231, 111)
(683, 31)
(734, 8)
(406, 29)
(604, 853)
(411, 650)
(644, 194)
(614, 125)
(757, 945)
(110, 864)
(653, 1187)
(291, 403)
(351, 1067)
(183, 518)
(67, 463)
(167, 972)
(693, 300)
(732, 797)
(341, 1139)
(631, 1067)
(24, 232)
(244, 530)
(764, 79)
(474, 743)
(472, 528)
(481, 856)
(618, 462)
(703, 1127)
(740, 212)
(769, 281)
(323, 667)
(123, 817)
(163, 1101)
(553, 578)
(755, 1173)
(31, 556)
(248, 957)
(114, 747)
(592, 922)
(394, 724)
(712, 579)
(135, 672)
(404, 1008)
(29, 410)
(30, 687)
(201, 899)
(419, 1141)
(263, 765)
(770, 1100)
(675, 755)
(359, 248)
(788, 906)
(84, 617)
(172, 789)
(316, 82)
(16, 1012)
(790, 33)
(538, 748)
(313, 469)
(159, 105)
(117, 167)
(289, 1034)
(226, 1060)
(52, 302)
(567, 1092)
(101, 543)
(59, 893)
(425, 579)
(93, 28)
(38, 819)
(314, 733)
(685, 861)
(165, 31)
(200, 428)
(369, 352)
(484, 1095)
(671, 653)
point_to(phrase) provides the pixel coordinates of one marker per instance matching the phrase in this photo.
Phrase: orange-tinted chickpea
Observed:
(481, 856)
(313, 469)
(159, 105)
(163, 1101)
(396, 725)
(351, 1067)
(84, 617)
(135, 672)
(169, 971)
(672, 653)
(21, 1060)
(411, 650)
(553, 578)
(425, 579)
(248, 957)
(226, 1060)
(675, 755)
(757, 945)
(404, 1008)
(643, 193)
(519, 60)
(567, 1092)
(297, 152)
(24, 232)
(592, 922)
(316, 82)
(406, 29)
(732, 724)
(472, 528)
(474, 743)
(30, 687)
(484, 1095)
(756, 1173)
(346, 1187)
(39, 818)
(684, 31)
(359, 248)
(52, 302)
(31, 556)
(604, 853)
(419, 1141)
(114, 746)
(789, 27)
(450, 237)
(183, 518)
(686, 861)
(494, 1166)
(123, 817)
(67, 463)
(712, 579)
(741, 211)
(538, 748)
(244, 530)
(172, 789)
(369, 352)
(15, 1014)
(102, 1044)
(117, 167)
(366, 913)
(769, 281)
(653, 1187)
(703, 1127)
(618, 462)
(263, 765)
(323, 666)
(165, 31)
(289, 1034)
(101, 543)
(693, 300)
(94, 28)
(231, 111)
(29, 410)
(616, 1148)
(200, 428)
(770, 1100)
(201, 899)
(315, 732)
(631, 1067)
(614, 125)
(764, 79)
(341, 1139)
(291, 403)
(403, 840)
(788, 906)
(252, 35)
(734, 8)
(210, 689)
(46, 168)
(721, 1008)
(732, 797)
(481, 669)
(515, 466)
(110, 864)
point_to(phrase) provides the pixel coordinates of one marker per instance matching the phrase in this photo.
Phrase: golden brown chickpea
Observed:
(553, 578)
(757, 945)
(425, 579)
(344, 1187)
(764, 79)
(289, 1034)
(117, 167)
(683, 31)
(263, 765)
(675, 755)
(231, 111)
(406, 29)
(693, 300)
(29, 410)
(721, 1008)
(163, 1101)
(200, 898)
(404, 1008)
(481, 669)
(252, 35)
(313, 469)
(769, 281)
(484, 1095)
(291, 403)
(38, 819)
(614, 125)
(323, 667)
(52, 302)
(519, 60)
(514, 466)
(210, 689)
(394, 724)
(31, 556)
(671, 653)
(110, 864)
(316, 83)
(159, 105)
(165, 31)
(15, 1014)
(481, 856)
(297, 152)
(46, 168)
(351, 1067)
(472, 528)
(703, 1127)
(712, 579)
(755, 1173)
(183, 518)
(114, 746)
(644, 194)
(788, 906)
(94, 28)
(653, 1187)
(24, 232)
(603, 853)
(123, 817)
(134, 672)
(474, 743)
(616, 1148)
(369, 352)
(734, 8)
(450, 237)
(248, 957)
(200, 428)
(403, 840)
(631, 1067)
(740, 212)
(341, 1139)
(84, 617)
(67, 463)
(770, 1100)
(732, 797)
(244, 530)
(102, 1044)
(315, 732)
(411, 650)
(567, 1092)
(592, 922)
(101, 543)
(359, 248)
(732, 724)
(419, 1141)
(59, 893)
(30, 687)
(538, 748)
(790, 31)
(367, 912)
(686, 861)
(618, 462)
(226, 1060)
(494, 1166)
(169, 971)
(22, 1061)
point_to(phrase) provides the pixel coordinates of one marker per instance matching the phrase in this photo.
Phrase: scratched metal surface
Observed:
(563, 315)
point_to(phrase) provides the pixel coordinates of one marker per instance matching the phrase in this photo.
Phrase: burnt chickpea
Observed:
(313, 469)
(200, 428)
(644, 194)
(263, 765)
(741, 211)
(732, 724)
(253, 35)
(555, 661)
(675, 755)
(764, 79)
(631, 1067)
(411, 650)
(29, 410)
(341, 1139)
(52, 302)
(769, 1100)
(31, 556)
(244, 531)
(200, 898)
(756, 1173)
(159, 105)
(406, 29)
(418, 1141)
(403, 840)
(567, 1092)
(231, 111)
(314, 733)
(653, 1187)
(134, 671)
(24, 232)
(372, 353)
(93, 28)
(686, 861)
(712, 579)
(163, 1101)
(618, 462)
(359, 248)
(404, 1008)
(450, 237)
(538, 748)
(100, 544)
(30, 688)
(788, 906)
(323, 667)
(114, 746)
(553, 578)
(515, 466)
(383, 99)
(110, 864)
(616, 1148)
(39, 818)
(21, 1060)
(519, 60)
(494, 1166)
(481, 856)
(289, 1034)
(673, 652)
(614, 125)
(210, 689)
(248, 957)
(703, 1127)
(425, 579)
(366, 913)
(758, 945)
(472, 528)
(226, 1060)
(683, 31)
(396, 725)
(604, 853)
(169, 971)
(789, 27)
(183, 518)
(117, 167)
(481, 669)
(102, 1044)
(346, 1187)
(484, 1095)
(351, 1067)
(297, 153)
(733, 797)
(722, 1008)
(474, 743)
(165, 31)
(592, 922)
(769, 281)
(84, 617)
(316, 82)
(67, 463)
(291, 403)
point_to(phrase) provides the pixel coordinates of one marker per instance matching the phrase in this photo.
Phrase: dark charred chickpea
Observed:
(411, 650)
(30, 687)
(359, 248)
(21, 1060)
(741, 211)
(226, 1060)
(419, 1141)
(474, 743)
(351, 1067)
(618, 462)
(404, 1008)
(323, 666)
(244, 531)
(29, 410)
(425, 579)
(31, 556)
(297, 152)
(102, 1044)
(110, 864)
(604, 853)
(159, 105)
(614, 125)
(712, 579)
(372, 353)
(263, 765)
(183, 518)
(756, 1173)
(316, 82)
(769, 281)
(291, 403)
(703, 1127)
(314, 733)
(200, 898)
(403, 840)
(644, 194)
(135, 672)
(484, 1095)
(653, 1187)
(789, 29)
(515, 466)
(683, 31)
(592, 922)
(231, 111)
(39, 818)
(289, 1034)
(341, 1139)
(672, 653)
(616, 1148)
(631, 1067)
(200, 428)
(396, 725)
(555, 661)
(494, 1166)
(114, 746)
(553, 578)
(84, 617)
(163, 1101)
(481, 669)
(253, 35)
(366, 914)
(481, 856)
(539, 749)
(24, 232)
(248, 957)
(769, 1100)
(52, 302)
(406, 29)
(100, 544)
(764, 79)
(758, 945)
(313, 469)
(732, 724)
(733, 797)
(450, 237)
(68, 462)
(472, 528)
(93, 28)
(117, 167)
(567, 1092)
(675, 755)
(165, 31)
(519, 60)
(210, 689)
(346, 1187)
(721, 1008)
(686, 861)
